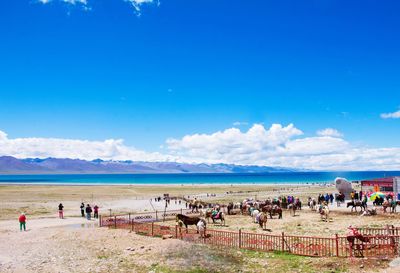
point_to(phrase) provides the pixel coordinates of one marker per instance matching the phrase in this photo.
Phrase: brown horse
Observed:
(187, 220)
(293, 207)
(273, 210)
(262, 220)
(355, 204)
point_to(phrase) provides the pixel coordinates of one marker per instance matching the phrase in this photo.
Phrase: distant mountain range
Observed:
(12, 165)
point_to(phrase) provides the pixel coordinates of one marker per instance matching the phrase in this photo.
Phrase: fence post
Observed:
(176, 231)
(240, 238)
(99, 220)
(156, 216)
(283, 241)
(337, 244)
(129, 217)
(152, 229)
(132, 228)
(115, 221)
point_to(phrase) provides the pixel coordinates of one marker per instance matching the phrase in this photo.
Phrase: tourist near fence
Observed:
(378, 243)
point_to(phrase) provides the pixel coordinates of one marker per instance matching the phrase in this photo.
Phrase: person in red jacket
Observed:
(22, 222)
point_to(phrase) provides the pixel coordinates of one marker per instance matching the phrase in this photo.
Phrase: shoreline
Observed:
(206, 184)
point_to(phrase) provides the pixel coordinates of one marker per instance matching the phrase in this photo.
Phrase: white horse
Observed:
(324, 212)
(206, 213)
(313, 204)
(254, 215)
(201, 228)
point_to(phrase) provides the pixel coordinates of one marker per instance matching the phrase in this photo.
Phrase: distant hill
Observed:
(12, 165)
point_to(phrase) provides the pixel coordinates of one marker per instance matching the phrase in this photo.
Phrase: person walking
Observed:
(61, 211)
(96, 212)
(331, 198)
(83, 209)
(22, 221)
(88, 212)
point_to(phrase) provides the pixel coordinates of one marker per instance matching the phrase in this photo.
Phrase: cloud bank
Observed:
(278, 145)
(111, 149)
(393, 115)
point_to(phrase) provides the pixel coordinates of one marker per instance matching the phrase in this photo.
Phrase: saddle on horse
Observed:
(216, 216)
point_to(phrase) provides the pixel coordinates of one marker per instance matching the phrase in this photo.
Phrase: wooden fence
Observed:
(156, 216)
(383, 242)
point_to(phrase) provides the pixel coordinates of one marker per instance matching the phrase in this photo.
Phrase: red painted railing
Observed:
(383, 242)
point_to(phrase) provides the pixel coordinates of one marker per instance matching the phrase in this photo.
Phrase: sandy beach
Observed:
(75, 244)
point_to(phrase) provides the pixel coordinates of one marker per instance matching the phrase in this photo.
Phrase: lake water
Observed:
(264, 178)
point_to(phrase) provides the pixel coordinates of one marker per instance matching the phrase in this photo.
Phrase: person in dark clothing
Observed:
(88, 212)
(83, 209)
(331, 198)
(61, 211)
(96, 212)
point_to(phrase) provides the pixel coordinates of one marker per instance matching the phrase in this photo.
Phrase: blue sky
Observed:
(105, 70)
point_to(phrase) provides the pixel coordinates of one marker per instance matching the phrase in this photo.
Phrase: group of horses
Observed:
(322, 208)
(260, 210)
(387, 203)
(200, 221)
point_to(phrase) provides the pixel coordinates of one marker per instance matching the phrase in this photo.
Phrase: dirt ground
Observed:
(75, 244)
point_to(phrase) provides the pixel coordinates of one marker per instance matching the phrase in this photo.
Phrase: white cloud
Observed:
(283, 146)
(136, 4)
(72, 2)
(394, 115)
(274, 146)
(111, 149)
(329, 132)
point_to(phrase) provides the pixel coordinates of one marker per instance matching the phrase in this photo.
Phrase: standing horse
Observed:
(273, 210)
(312, 204)
(187, 220)
(206, 213)
(393, 206)
(352, 235)
(293, 207)
(220, 216)
(201, 228)
(230, 208)
(387, 204)
(355, 204)
(262, 220)
(324, 212)
(254, 215)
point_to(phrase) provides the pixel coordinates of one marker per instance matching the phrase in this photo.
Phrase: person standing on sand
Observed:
(60, 211)
(331, 198)
(88, 212)
(96, 212)
(83, 209)
(22, 221)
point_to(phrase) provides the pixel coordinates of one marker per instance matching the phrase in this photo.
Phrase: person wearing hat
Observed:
(83, 209)
(22, 221)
